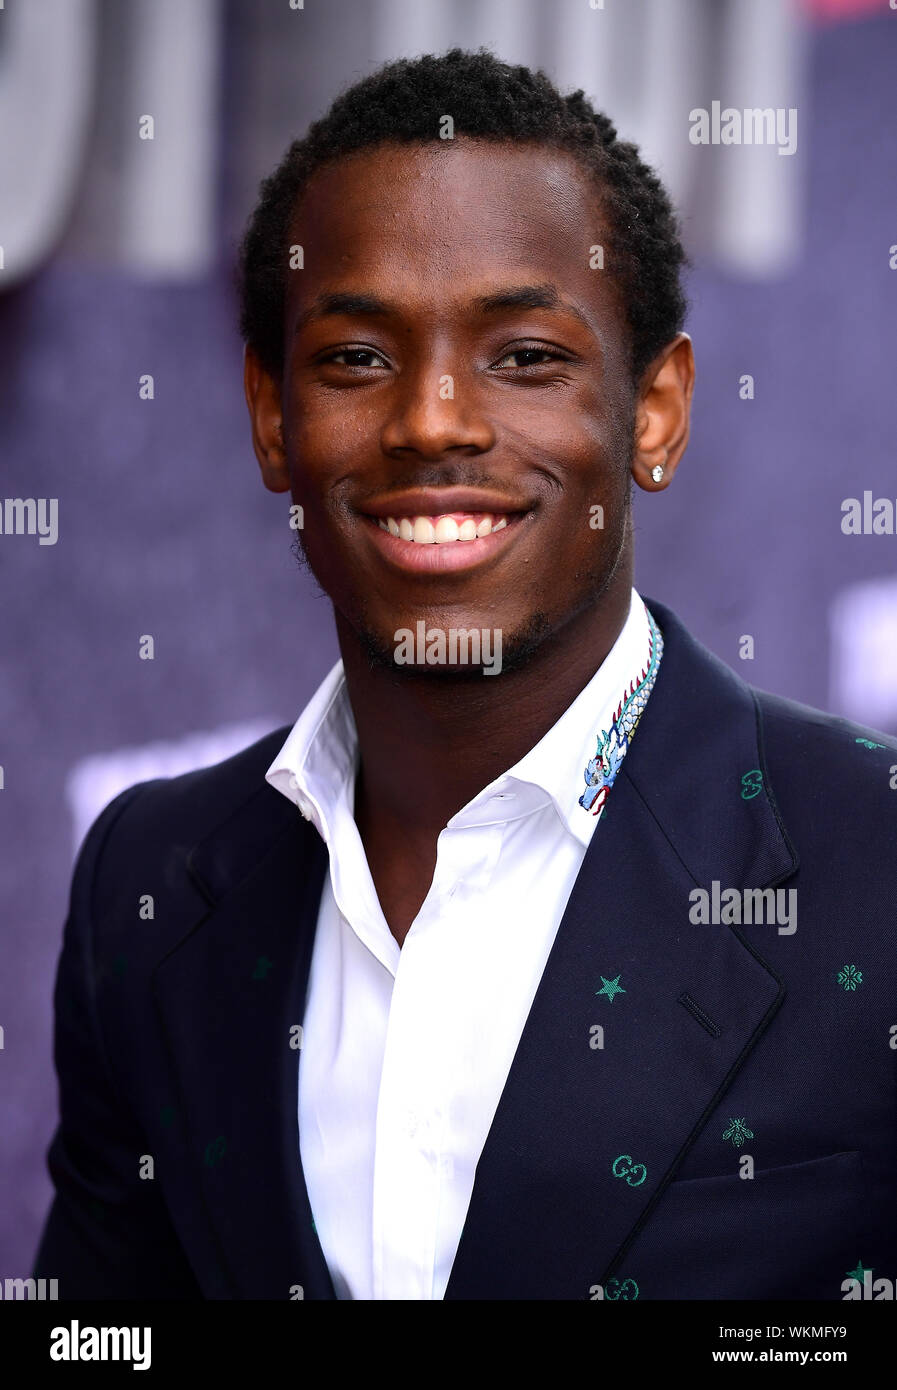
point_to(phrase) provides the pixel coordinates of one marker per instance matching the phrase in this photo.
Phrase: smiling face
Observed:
(456, 401)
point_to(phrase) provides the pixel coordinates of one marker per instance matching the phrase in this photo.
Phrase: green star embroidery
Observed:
(858, 1272)
(611, 987)
(262, 966)
(850, 977)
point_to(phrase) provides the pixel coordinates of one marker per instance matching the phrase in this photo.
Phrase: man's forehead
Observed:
(479, 222)
(446, 190)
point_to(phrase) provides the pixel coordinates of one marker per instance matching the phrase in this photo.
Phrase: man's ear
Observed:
(263, 400)
(663, 414)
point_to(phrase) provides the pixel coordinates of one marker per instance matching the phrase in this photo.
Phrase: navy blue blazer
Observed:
(616, 1162)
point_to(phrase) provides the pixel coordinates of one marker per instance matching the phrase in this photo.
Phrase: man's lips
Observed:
(415, 557)
(444, 501)
(437, 530)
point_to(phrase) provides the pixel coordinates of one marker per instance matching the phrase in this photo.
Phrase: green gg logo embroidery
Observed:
(751, 784)
(634, 1173)
(628, 1290)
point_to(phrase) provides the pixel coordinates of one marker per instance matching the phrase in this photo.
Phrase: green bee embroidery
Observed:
(738, 1132)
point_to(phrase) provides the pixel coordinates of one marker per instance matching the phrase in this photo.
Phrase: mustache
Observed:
(441, 475)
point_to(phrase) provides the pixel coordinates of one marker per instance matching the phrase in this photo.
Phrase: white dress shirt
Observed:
(405, 1052)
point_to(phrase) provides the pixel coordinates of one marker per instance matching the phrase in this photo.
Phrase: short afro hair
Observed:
(404, 101)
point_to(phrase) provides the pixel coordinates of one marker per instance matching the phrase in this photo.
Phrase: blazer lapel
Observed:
(228, 996)
(590, 1128)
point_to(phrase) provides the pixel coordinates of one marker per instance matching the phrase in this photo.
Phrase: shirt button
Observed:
(445, 1166)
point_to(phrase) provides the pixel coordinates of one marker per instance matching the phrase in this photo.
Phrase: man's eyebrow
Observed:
(527, 297)
(520, 297)
(543, 296)
(342, 302)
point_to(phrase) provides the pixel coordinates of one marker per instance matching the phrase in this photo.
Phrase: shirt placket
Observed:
(411, 1165)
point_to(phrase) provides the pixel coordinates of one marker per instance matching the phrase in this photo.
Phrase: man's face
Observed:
(451, 353)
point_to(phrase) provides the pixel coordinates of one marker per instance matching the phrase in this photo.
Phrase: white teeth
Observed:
(424, 531)
(447, 529)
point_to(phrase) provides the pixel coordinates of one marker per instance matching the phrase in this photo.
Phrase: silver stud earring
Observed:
(657, 472)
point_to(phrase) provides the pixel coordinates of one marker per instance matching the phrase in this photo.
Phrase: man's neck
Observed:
(428, 745)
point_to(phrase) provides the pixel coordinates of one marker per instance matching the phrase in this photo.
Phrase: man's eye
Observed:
(356, 357)
(528, 357)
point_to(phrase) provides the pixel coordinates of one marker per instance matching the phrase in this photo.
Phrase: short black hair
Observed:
(404, 101)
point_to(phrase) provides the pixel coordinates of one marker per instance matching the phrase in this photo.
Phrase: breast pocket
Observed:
(796, 1231)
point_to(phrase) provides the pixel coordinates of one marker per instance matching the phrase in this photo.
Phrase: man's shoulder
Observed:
(827, 770)
(794, 732)
(163, 819)
(817, 761)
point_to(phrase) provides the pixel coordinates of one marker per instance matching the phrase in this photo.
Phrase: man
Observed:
(520, 1005)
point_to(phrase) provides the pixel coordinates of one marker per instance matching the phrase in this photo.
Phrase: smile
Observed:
(442, 544)
(444, 529)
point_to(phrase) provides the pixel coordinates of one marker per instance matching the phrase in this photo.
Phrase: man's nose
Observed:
(433, 411)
